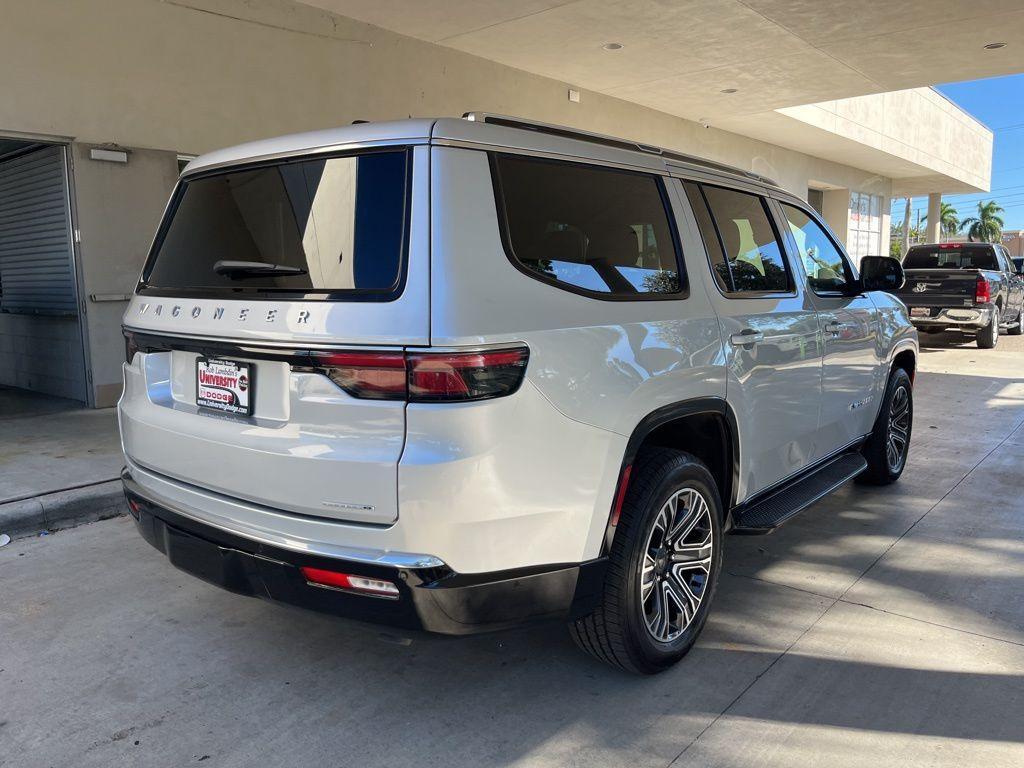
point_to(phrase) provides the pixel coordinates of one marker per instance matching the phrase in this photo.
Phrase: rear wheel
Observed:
(887, 448)
(662, 569)
(988, 336)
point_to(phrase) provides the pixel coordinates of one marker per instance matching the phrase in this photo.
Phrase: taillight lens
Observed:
(130, 347)
(367, 375)
(426, 376)
(982, 291)
(466, 375)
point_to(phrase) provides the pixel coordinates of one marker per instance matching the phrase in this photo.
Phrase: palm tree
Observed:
(949, 222)
(987, 226)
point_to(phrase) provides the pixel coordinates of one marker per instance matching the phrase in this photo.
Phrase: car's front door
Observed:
(1015, 300)
(770, 336)
(852, 372)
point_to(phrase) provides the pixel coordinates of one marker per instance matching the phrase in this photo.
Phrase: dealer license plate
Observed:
(920, 312)
(224, 385)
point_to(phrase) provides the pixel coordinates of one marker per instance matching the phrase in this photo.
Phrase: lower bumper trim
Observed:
(430, 599)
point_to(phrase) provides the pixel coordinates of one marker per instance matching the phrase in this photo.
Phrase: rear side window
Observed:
(333, 227)
(588, 229)
(746, 254)
(936, 257)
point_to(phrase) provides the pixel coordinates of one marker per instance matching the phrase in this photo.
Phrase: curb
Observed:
(62, 509)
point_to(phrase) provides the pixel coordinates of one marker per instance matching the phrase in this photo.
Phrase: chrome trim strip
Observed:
(248, 341)
(353, 554)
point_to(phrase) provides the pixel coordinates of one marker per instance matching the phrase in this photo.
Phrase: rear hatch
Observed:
(939, 288)
(262, 277)
(946, 274)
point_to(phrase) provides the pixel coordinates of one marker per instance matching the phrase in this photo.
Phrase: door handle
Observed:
(835, 328)
(748, 336)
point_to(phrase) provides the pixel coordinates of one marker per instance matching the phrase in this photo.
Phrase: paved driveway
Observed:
(882, 627)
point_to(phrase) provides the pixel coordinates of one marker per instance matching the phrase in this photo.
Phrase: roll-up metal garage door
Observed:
(36, 262)
(40, 335)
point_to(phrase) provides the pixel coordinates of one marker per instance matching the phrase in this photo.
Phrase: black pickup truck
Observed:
(972, 287)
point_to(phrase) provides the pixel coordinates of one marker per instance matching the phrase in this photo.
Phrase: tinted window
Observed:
(336, 224)
(824, 263)
(1018, 264)
(710, 236)
(934, 257)
(594, 229)
(753, 256)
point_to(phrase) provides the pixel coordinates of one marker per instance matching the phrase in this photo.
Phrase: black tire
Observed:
(988, 336)
(618, 631)
(882, 470)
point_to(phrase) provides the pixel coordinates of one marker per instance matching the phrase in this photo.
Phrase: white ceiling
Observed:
(678, 55)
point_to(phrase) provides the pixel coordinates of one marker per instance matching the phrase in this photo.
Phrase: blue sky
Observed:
(997, 103)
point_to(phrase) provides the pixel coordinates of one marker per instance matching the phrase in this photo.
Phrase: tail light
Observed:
(349, 582)
(130, 346)
(466, 375)
(367, 375)
(426, 376)
(982, 291)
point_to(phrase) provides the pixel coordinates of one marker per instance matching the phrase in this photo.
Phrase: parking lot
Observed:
(881, 627)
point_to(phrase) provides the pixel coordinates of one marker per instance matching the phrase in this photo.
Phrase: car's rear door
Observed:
(770, 332)
(852, 367)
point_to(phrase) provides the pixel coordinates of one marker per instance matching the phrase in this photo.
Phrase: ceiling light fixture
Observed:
(729, 90)
(994, 46)
(612, 46)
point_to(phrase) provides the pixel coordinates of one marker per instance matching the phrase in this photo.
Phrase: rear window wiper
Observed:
(240, 269)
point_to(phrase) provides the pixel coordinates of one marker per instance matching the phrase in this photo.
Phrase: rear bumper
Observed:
(434, 599)
(969, 318)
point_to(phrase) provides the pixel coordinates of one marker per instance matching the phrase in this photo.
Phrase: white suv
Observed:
(459, 374)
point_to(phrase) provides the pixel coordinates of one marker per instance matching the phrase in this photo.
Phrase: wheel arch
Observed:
(705, 427)
(905, 358)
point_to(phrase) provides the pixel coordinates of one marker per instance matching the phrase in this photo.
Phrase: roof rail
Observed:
(611, 141)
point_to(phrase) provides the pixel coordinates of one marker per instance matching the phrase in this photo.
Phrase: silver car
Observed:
(459, 374)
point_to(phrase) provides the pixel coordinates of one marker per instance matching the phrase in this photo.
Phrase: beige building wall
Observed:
(194, 75)
(118, 208)
(189, 76)
(917, 135)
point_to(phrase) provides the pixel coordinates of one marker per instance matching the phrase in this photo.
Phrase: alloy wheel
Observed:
(676, 567)
(899, 429)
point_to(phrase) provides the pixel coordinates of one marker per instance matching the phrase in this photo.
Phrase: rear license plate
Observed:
(224, 385)
(920, 312)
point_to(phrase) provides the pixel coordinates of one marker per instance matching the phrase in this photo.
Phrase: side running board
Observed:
(766, 515)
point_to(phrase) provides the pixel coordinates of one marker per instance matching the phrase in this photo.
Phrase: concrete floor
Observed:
(882, 627)
(50, 444)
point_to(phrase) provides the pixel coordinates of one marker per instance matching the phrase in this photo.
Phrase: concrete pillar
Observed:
(835, 209)
(934, 232)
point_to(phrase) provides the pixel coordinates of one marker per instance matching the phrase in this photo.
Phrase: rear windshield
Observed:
(317, 227)
(950, 258)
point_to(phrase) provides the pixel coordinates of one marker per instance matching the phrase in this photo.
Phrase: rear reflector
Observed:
(348, 582)
(620, 497)
(426, 376)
